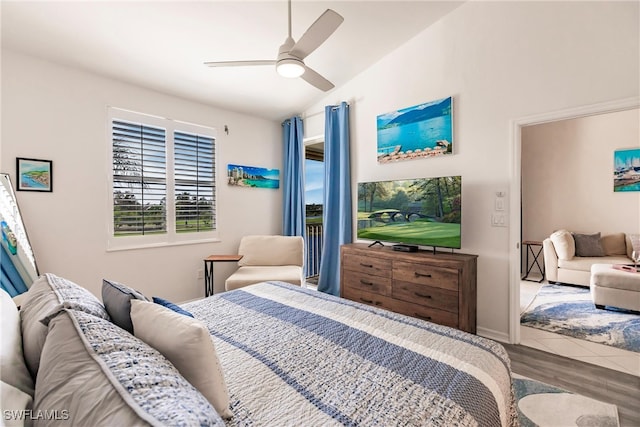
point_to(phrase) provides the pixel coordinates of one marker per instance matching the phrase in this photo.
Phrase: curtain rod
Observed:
(306, 116)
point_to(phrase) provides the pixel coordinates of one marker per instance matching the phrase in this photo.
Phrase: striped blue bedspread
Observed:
(297, 357)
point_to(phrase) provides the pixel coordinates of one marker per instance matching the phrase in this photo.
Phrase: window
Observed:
(163, 181)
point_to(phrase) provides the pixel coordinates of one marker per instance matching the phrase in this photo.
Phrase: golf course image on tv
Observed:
(422, 211)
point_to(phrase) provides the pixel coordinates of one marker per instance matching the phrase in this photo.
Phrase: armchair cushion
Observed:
(271, 250)
(564, 244)
(248, 275)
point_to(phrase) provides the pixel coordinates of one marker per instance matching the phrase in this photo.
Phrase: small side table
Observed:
(535, 249)
(208, 269)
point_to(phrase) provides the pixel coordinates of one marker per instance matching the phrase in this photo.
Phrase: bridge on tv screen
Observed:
(396, 215)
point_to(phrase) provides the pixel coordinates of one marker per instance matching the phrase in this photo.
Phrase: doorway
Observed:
(519, 231)
(313, 194)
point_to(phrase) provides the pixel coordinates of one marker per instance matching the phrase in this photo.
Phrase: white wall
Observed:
(567, 176)
(58, 113)
(500, 61)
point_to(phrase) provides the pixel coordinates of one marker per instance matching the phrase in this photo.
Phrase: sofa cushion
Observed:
(127, 383)
(585, 263)
(614, 244)
(271, 250)
(117, 300)
(564, 244)
(253, 274)
(187, 344)
(13, 369)
(588, 244)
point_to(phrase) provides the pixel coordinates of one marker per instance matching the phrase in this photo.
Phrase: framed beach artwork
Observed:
(34, 174)
(424, 130)
(626, 170)
(251, 176)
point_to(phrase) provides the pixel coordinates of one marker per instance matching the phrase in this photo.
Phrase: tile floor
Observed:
(586, 351)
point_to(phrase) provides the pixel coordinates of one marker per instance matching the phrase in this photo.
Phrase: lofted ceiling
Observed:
(162, 45)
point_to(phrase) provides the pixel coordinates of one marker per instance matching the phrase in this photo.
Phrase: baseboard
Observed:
(493, 335)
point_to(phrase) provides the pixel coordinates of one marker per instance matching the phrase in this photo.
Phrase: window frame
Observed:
(171, 237)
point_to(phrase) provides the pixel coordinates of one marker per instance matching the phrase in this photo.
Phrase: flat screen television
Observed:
(422, 211)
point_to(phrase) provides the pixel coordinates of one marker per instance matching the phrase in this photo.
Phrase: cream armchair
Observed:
(268, 258)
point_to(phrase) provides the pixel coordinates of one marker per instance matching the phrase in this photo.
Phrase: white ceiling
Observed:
(162, 45)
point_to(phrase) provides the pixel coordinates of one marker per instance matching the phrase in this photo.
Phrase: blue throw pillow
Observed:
(172, 306)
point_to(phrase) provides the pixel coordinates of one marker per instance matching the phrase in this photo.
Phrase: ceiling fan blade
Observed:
(315, 79)
(317, 33)
(239, 63)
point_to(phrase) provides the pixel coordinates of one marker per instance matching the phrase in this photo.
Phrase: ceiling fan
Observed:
(290, 60)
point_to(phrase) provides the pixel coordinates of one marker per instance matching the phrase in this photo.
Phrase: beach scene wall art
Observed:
(34, 174)
(424, 130)
(626, 170)
(252, 176)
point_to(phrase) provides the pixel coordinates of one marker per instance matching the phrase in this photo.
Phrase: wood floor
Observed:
(583, 378)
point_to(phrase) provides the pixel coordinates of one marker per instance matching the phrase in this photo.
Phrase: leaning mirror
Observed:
(17, 262)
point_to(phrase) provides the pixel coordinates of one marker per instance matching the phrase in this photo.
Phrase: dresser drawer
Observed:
(367, 265)
(367, 282)
(425, 313)
(368, 298)
(439, 277)
(443, 299)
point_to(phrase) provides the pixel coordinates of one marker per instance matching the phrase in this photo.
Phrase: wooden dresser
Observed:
(438, 287)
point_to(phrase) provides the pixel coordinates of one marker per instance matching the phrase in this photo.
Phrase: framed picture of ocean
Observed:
(34, 174)
(626, 170)
(424, 130)
(251, 176)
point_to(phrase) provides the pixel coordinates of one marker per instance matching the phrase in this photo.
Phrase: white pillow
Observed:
(13, 369)
(564, 244)
(14, 404)
(187, 344)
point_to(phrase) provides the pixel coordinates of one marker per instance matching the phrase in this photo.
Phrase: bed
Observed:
(290, 356)
(333, 361)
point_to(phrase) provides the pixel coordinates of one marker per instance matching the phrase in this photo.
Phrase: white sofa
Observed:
(268, 258)
(564, 265)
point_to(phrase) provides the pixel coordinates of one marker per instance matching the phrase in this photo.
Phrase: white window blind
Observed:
(139, 179)
(194, 182)
(163, 181)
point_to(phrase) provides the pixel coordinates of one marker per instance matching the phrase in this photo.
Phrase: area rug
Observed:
(568, 310)
(543, 405)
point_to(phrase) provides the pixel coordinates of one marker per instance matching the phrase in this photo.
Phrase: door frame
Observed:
(515, 206)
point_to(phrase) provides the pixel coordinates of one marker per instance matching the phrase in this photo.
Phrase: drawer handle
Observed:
(368, 301)
(421, 274)
(364, 282)
(366, 265)
(422, 317)
(418, 294)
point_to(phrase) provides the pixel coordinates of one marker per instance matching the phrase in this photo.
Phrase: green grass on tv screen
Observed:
(416, 233)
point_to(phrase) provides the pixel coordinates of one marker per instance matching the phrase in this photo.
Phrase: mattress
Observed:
(294, 356)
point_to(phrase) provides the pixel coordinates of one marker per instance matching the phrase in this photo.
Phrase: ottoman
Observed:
(613, 287)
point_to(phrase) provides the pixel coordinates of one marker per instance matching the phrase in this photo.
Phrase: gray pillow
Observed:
(48, 295)
(96, 374)
(588, 244)
(117, 300)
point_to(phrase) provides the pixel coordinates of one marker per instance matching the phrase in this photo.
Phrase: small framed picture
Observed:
(34, 174)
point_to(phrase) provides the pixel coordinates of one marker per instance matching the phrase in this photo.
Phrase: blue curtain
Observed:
(293, 180)
(336, 212)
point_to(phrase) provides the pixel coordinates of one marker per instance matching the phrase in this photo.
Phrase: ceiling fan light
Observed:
(290, 68)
